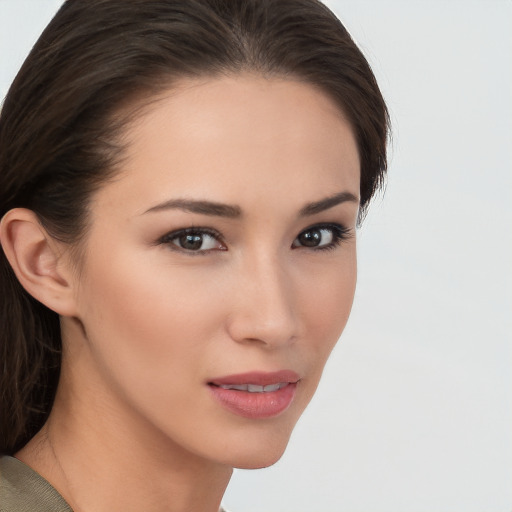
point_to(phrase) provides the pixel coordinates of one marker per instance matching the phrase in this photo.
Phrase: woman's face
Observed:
(220, 267)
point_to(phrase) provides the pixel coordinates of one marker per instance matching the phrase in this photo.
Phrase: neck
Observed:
(92, 441)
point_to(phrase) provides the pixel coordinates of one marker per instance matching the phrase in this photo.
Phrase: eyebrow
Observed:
(201, 207)
(327, 203)
(233, 212)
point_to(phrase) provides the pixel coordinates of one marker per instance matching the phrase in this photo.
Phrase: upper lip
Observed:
(258, 378)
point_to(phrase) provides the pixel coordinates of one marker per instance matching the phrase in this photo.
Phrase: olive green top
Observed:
(24, 490)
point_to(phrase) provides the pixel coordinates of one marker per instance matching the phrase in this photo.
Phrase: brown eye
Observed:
(190, 242)
(321, 237)
(194, 240)
(311, 238)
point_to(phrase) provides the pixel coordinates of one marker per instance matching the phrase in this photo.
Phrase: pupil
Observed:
(310, 238)
(191, 242)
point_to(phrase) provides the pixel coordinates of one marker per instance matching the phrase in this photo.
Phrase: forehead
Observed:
(238, 138)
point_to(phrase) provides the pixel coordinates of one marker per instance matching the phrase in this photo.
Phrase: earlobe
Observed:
(37, 260)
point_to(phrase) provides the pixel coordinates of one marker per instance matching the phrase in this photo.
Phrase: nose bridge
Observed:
(265, 309)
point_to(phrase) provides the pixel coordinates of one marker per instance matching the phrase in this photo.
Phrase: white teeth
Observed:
(254, 388)
(273, 387)
(238, 387)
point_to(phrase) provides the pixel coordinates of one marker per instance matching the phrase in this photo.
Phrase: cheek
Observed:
(327, 307)
(145, 317)
(329, 294)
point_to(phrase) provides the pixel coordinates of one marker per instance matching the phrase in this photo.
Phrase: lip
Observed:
(256, 405)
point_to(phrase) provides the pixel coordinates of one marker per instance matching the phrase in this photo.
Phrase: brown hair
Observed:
(60, 128)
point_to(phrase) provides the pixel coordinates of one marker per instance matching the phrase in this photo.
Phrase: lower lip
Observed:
(255, 405)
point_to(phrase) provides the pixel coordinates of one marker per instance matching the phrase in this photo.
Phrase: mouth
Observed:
(253, 388)
(256, 395)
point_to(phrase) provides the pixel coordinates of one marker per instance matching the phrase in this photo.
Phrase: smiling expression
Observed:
(220, 267)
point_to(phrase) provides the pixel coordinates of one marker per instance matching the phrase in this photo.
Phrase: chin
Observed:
(263, 459)
(260, 452)
(254, 444)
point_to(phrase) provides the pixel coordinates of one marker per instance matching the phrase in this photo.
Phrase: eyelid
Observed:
(340, 233)
(168, 238)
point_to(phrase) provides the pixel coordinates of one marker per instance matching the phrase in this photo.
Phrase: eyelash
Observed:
(339, 232)
(170, 237)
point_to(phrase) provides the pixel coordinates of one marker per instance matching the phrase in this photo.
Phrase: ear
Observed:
(39, 261)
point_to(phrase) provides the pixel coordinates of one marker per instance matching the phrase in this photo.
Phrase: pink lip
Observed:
(256, 405)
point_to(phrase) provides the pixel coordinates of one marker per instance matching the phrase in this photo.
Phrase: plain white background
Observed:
(415, 410)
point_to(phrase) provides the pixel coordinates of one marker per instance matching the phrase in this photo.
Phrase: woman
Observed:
(180, 187)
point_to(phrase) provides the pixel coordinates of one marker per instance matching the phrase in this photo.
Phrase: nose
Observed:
(264, 305)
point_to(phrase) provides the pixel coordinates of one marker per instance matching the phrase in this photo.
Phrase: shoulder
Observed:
(24, 490)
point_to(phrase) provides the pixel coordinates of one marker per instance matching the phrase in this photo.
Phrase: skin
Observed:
(150, 324)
